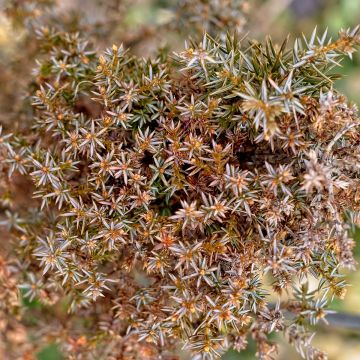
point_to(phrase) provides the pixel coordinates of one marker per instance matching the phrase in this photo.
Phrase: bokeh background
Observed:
(136, 22)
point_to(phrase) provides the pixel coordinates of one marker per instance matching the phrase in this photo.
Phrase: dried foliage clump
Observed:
(214, 16)
(188, 198)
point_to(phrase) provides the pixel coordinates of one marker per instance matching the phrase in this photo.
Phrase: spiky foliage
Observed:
(190, 198)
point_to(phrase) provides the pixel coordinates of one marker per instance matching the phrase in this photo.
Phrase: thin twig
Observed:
(344, 320)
